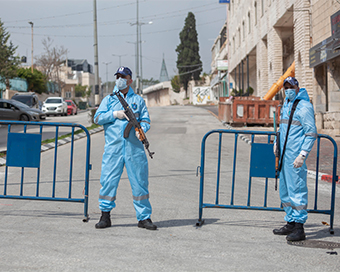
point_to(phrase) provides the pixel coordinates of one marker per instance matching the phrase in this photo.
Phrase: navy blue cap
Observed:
(291, 80)
(124, 71)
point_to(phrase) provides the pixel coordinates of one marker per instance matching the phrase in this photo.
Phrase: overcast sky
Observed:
(70, 24)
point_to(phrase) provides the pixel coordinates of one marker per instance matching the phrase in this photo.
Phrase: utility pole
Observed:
(107, 87)
(96, 69)
(137, 54)
(120, 63)
(32, 47)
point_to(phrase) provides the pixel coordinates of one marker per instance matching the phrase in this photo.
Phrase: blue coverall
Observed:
(120, 151)
(302, 134)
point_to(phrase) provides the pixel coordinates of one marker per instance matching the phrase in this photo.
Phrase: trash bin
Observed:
(82, 105)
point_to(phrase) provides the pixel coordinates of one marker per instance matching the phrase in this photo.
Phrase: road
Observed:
(50, 236)
(48, 133)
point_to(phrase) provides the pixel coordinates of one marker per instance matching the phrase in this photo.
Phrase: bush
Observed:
(91, 114)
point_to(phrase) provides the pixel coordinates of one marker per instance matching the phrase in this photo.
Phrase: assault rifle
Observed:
(133, 123)
(277, 158)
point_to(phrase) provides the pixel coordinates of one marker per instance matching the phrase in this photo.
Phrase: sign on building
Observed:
(202, 95)
(222, 65)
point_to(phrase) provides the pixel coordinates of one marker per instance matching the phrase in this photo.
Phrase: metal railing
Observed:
(262, 164)
(24, 151)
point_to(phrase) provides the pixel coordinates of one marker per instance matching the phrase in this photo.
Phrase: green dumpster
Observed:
(82, 105)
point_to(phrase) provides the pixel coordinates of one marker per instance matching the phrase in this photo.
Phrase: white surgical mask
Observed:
(290, 94)
(121, 83)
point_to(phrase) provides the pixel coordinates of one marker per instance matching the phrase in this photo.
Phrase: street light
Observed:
(120, 64)
(32, 46)
(139, 54)
(107, 90)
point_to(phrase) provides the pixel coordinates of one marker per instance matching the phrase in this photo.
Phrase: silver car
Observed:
(15, 110)
(55, 106)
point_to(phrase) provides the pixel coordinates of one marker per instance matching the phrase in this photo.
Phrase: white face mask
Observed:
(290, 94)
(121, 83)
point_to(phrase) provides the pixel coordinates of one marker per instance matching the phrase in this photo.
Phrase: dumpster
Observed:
(248, 110)
(82, 105)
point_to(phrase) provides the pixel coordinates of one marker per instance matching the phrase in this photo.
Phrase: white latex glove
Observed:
(299, 161)
(120, 114)
(274, 148)
(137, 135)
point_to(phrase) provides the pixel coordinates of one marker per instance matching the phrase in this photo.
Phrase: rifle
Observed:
(277, 158)
(133, 123)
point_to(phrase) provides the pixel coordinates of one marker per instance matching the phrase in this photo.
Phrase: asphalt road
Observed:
(50, 236)
(48, 132)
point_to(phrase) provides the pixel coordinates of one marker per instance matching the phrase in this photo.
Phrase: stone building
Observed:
(267, 36)
(325, 61)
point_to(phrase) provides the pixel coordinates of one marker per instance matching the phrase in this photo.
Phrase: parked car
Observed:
(55, 106)
(71, 107)
(15, 110)
(30, 99)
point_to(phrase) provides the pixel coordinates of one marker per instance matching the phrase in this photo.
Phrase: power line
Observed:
(151, 17)
(111, 36)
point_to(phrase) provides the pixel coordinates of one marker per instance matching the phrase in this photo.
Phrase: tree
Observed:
(189, 63)
(8, 62)
(80, 91)
(36, 81)
(51, 60)
(176, 85)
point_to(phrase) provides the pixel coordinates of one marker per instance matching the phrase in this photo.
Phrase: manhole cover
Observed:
(315, 244)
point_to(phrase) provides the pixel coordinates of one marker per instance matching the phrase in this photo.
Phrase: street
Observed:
(48, 132)
(50, 236)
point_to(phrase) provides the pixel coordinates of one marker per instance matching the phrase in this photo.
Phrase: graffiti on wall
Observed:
(201, 95)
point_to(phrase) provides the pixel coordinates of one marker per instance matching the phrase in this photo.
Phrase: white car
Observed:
(55, 106)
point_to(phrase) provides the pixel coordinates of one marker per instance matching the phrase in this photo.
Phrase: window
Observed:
(234, 44)
(243, 30)
(68, 94)
(239, 37)
(249, 23)
(262, 7)
(255, 11)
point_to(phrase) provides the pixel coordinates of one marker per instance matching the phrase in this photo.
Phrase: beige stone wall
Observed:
(271, 25)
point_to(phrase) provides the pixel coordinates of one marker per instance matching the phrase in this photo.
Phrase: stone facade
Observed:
(267, 36)
(326, 77)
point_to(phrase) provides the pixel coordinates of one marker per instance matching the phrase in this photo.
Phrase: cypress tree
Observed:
(189, 63)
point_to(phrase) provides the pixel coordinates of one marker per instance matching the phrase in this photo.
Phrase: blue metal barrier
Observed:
(24, 150)
(262, 164)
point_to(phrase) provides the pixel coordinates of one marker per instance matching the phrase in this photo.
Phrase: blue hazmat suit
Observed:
(120, 151)
(301, 137)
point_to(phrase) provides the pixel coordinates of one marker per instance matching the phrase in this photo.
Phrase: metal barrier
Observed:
(24, 150)
(262, 164)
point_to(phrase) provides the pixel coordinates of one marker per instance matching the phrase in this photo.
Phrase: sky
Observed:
(70, 24)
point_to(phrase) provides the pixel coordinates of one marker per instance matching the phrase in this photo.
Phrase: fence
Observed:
(24, 151)
(261, 165)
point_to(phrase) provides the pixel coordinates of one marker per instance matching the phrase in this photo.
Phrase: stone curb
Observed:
(61, 142)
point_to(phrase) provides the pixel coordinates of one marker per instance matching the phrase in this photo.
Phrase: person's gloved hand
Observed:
(299, 161)
(137, 134)
(120, 114)
(274, 148)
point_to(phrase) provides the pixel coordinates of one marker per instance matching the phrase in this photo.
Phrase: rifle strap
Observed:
(296, 102)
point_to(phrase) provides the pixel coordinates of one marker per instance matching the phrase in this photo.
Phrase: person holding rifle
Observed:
(123, 146)
(297, 136)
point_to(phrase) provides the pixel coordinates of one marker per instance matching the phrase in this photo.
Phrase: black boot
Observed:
(286, 229)
(147, 224)
(104, 221)
(298, 233)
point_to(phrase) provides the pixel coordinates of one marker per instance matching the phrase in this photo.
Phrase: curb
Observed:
(61, 142)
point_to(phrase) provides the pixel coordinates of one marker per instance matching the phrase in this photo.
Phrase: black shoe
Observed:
(104, 221)
(147, 224)
(298, 233)
(286, 229)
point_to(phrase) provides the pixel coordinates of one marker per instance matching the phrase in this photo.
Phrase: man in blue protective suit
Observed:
(293, 174)
(123, 150)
